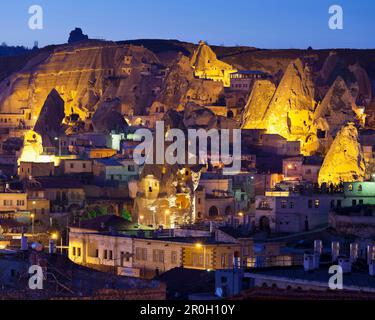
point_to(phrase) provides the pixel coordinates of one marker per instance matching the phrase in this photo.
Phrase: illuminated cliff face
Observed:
(344, 161)
(336, 110)
(207, 66)
(181, 87)
(288, 110)
(82, 75)
(256, 107)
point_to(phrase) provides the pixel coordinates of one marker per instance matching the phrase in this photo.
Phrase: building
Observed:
(302, 168)
(359, 193)
(11, 202)
(76, 166)
(36, 169)
(243, 80)
(277, 144)
(114, 170)
(99, 153)
(64, 193)
(141, 256)
(289, 212)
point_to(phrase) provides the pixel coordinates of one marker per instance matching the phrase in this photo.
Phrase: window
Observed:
(96, 253)
(317, 203)
(110, 257)
(78, 252)
(158, 256)
(361, 202)
(360, 188)
(291, 204)
(310, 204)
(83, 165)
(141, 254)
(174, 257)
(283, 204)
(105, 254)
(8, 203)
(72, 166)
(199, 200)
(20, 202)
(74, 251)
(308, 171)
(332, 204)
(354, 202)
(338, 203)
(350, 187)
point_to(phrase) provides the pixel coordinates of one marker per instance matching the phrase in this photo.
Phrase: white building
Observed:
(292, 212)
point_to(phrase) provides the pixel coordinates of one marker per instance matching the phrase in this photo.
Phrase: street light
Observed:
(199, 245)
(32, 216)
(59, 140)
(55, 236)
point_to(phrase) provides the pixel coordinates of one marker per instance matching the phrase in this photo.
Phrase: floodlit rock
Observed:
(290, 112)
(256, 107)
(207, 66)
(83, 74)
(181, 87)
(336, 109)
(344, 161)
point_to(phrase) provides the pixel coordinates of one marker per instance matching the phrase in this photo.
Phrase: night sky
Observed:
(260, 23)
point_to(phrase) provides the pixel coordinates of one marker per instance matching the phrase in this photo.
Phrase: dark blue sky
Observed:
(260, 23)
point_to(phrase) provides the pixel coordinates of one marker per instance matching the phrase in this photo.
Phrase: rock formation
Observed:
(108, 118)
(344, 161)
(290, 112)
(50, 122)
(77, 35)
(259, 99)
(336, 109)
(83, 74)
(207, 66)
(180, 87)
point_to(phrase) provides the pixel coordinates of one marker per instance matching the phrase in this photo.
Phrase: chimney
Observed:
(24, 246)
(308, 262)
(345, 264)
(371, 268)
(335, 250)
(211, 227)
(51, 247)
(354, 250)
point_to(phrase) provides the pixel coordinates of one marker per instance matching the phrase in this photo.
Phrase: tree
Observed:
(126, 215)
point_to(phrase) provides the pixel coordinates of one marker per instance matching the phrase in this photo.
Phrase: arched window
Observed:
(360, 188)
(213, 212)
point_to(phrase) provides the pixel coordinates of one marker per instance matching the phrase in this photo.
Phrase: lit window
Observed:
(317, 203)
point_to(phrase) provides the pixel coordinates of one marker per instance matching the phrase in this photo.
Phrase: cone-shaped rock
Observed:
(344, 161)
(259, 99)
